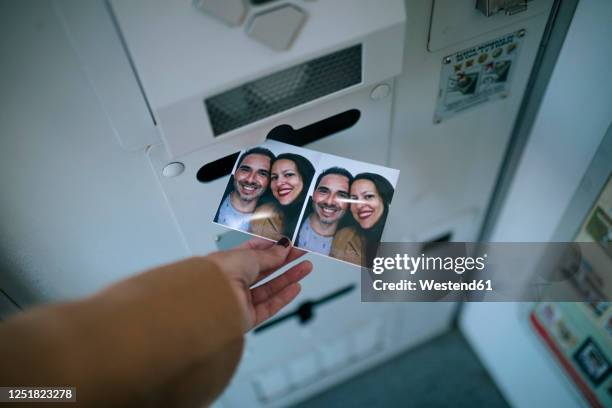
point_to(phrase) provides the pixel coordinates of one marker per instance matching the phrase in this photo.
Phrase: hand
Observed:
(252, 262)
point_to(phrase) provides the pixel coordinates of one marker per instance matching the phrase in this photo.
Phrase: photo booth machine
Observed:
(121, 120)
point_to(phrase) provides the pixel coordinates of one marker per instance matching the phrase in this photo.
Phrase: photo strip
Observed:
(326, 204)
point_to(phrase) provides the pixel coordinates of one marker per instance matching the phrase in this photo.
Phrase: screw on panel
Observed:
(380, 92)
(522, 33)
(447, 60)
(173, 169)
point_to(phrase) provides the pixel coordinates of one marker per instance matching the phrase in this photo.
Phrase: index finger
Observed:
(256, 243)
(262, 243)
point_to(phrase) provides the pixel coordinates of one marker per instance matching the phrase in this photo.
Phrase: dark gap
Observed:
(315, 131)
(260, 2)
(306, 310)
(217, 169)
(334, 295)
(437, 242)
(286, 134)
(117, 27)
(10, 299)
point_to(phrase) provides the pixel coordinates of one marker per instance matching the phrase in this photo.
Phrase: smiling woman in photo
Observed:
(278, 214)
(371, 195)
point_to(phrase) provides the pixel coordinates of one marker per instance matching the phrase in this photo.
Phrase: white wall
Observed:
(573, 118)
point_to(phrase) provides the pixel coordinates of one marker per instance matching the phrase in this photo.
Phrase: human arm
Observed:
(171, 336)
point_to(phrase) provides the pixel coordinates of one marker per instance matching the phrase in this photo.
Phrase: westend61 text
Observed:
(432, 285)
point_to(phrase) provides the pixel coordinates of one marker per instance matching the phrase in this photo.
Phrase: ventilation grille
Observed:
(284, 90)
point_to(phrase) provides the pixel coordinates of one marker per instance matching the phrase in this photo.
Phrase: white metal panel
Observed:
(77, 211)
(80, 211)
(448, 170)
(194, 204)
(97, 44)
(160, 33)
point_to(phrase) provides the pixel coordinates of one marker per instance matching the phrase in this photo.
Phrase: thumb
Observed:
(270, 258)
(247, 264)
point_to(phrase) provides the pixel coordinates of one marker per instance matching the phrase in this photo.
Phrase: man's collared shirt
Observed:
(309, 239)
(233, 218)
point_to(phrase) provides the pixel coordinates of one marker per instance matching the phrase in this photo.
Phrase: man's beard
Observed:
(247, 199)
(323, 220)
(327, 222)
(251, 197)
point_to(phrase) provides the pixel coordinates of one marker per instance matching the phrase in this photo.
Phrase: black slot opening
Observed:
(217, 169)
(260, 2)
(437, 242)
(315, 131)
(286, 134)
(305, 312)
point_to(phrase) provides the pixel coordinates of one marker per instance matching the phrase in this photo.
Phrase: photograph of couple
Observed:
(325, 204)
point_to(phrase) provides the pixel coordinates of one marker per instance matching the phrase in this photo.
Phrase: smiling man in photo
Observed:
(329, 204)
(250, 182)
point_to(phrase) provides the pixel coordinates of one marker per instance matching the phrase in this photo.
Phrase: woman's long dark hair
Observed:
(372, 235)
(291, 212)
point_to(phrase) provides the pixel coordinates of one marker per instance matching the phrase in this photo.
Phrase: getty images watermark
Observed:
(487, 272)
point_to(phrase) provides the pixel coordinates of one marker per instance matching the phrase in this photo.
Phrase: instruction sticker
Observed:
(476, 75)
